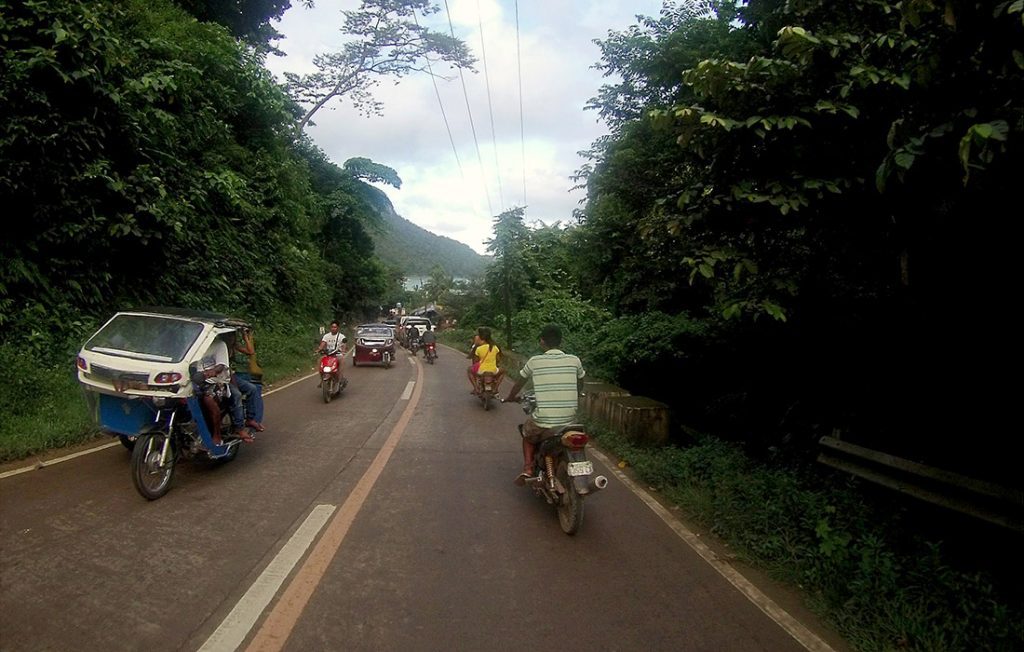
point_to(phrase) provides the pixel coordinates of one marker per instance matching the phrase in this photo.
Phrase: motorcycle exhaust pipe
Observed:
(597, 483)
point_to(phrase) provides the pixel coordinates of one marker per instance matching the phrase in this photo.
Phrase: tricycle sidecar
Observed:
(137, 371)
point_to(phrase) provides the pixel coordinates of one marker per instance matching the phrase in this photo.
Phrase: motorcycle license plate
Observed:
(581, 468)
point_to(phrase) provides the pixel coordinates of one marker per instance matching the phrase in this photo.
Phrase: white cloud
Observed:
(557, 55)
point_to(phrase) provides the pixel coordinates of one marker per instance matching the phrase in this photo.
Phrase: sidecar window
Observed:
(145, 337)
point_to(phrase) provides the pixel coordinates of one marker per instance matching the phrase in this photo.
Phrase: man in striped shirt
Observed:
(555, 375)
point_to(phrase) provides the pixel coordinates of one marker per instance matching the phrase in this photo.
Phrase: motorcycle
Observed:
(331, 382)
(561, 471)
(487, 389)
(414, 345)
(136, 372)
(430, 352)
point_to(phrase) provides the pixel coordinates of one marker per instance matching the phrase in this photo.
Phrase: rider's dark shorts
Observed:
(534, 433)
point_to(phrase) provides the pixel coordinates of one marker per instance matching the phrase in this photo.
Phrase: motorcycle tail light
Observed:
(167, 378)
(575, 439)
(82, 364)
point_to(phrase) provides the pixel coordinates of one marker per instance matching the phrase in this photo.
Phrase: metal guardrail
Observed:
(1003, 506)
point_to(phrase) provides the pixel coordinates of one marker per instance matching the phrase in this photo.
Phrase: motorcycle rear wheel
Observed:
(570, 505)
(151, 479)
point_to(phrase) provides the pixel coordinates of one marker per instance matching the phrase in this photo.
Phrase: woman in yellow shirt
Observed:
(486, 357)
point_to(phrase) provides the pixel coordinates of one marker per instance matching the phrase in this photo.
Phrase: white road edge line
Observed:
(791, 625)
(235, 627)
(408, 390)
(58, 460)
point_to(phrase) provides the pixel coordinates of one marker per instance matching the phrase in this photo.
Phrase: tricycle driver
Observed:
(213, 386)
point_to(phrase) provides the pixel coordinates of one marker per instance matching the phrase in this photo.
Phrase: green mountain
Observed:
(415, 251)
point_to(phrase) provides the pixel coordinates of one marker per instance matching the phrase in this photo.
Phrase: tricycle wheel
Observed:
(355, 363)
(152, 479)
(127, 442)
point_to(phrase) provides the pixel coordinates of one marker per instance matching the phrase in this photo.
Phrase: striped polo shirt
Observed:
(554, 375)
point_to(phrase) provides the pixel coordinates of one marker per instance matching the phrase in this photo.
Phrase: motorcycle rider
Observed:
(486, 356)
(429, 337)
(556, 377)
(335, 343)
(212, 385)
(411, 335)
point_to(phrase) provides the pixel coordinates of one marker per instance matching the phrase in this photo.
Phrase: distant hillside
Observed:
(415, 250)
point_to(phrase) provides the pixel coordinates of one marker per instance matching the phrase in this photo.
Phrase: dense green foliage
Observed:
(883, 589)
(146, 159)
(246, 19)
(803, 192)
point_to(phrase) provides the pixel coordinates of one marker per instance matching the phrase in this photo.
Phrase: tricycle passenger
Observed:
(252, 392)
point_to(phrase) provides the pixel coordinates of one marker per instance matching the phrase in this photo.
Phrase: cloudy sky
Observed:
(556, 42)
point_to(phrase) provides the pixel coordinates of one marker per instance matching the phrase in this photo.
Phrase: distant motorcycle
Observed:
(430, 352)
(561, 471)
(331, 382)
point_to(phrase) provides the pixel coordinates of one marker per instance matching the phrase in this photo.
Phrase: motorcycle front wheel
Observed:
(328, 386)
(151, 478)
(570, 504)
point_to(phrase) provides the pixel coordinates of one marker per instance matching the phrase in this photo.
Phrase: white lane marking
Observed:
(278, 389)
(791, 625)
(412, 361)
(235, 627)
(58, 460)
(408, 390)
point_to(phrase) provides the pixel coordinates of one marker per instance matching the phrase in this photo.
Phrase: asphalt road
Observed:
(418, 541)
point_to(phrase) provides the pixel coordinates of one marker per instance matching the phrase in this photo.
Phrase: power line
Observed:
(444, 116)
(472, 126)
(522, 131)
(490, 108)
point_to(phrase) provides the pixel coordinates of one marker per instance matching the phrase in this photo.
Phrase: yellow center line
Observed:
(280, 622)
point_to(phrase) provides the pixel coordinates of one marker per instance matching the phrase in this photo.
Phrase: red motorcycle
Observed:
(331, 382)
(430, 352)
